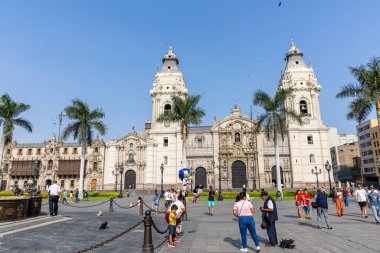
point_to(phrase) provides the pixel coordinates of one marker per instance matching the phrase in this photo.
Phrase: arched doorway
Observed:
(239, 174)
(47, 183)
(93, 184)
(130, 179)
(200, 177)
(274, 176)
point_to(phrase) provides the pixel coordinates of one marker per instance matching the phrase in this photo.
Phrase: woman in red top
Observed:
(306, 204)
(299, 203)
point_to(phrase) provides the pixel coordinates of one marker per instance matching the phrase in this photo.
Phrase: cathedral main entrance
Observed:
(130, 179)
(200, 177)
(239, 174)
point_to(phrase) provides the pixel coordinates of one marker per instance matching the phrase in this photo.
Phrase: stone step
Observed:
(21, 225)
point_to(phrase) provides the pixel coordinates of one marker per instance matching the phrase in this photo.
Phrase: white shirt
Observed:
(270, 204)
(168, 196)
(54, 189)
(180, 206)
(361, 195)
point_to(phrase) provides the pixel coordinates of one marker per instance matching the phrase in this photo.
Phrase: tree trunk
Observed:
(378, 112)
(2, 146)
(81, 172)
(184, 137)
(278, 169)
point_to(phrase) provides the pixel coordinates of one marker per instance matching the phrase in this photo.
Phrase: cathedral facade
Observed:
(227, 147)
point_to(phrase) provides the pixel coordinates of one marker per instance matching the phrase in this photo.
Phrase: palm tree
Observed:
(273, 122)
(366, 92)
(185, 111)
(9, 119)
(83, 123)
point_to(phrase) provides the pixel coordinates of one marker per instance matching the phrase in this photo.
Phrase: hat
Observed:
(264, 193)
(371, 187)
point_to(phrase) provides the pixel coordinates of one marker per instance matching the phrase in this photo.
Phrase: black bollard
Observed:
(111, 205)
(148, 243)
(141, 209)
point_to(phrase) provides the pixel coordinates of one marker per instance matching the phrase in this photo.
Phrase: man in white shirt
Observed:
(181, 209)
(361, 198)
(168, 198)
(54, 191)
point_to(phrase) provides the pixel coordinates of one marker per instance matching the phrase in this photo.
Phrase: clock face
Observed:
(306, 121)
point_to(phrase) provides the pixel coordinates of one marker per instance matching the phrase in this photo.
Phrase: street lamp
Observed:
(220, 197)
(328, 168)
(162, 180)
(121, 170)
(115, 174)
(316, 172)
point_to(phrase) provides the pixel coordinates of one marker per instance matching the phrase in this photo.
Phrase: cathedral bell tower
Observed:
(308, 143)
(167, 83)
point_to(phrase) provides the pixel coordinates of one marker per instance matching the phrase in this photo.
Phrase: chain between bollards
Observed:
(148, 243)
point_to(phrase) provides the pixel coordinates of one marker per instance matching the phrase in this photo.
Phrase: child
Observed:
(195, 198)
(156, 202)
(172, 225)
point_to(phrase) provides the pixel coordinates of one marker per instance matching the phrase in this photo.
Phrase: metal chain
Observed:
(159, 231)
(123, 207)
(153, 209)
(98, 245)
(101, 203)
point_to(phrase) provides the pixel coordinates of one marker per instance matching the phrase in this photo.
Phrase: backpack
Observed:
(167, 216)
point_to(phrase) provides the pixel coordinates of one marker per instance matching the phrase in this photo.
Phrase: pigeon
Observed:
(100, 214)
(104, 225)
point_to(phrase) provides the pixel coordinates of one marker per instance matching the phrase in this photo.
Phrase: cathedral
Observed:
(227, 147)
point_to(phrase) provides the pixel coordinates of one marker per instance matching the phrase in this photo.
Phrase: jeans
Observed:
(375, 211)
(247, 222)
(346, 201)
(322, 211)
(53, 204)
(272, 234)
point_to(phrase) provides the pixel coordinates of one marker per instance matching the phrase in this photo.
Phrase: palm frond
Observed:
(359, 109)
(261, 98)
(23, 123)
(350, 90)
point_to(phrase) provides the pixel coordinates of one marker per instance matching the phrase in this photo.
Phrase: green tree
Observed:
(9, 119)
(273, 122)
(82, 125)
(185, 111)
(365, 93)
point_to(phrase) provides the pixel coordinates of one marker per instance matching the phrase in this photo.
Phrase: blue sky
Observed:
(106, 53)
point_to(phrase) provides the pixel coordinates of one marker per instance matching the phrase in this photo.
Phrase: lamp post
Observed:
(316, 172)
(162, 180)
(220, 197)
(328, 168)
(115, 174)
(121, 170)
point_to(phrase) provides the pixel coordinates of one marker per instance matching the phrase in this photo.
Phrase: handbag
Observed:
(265, 223)
(314, 204)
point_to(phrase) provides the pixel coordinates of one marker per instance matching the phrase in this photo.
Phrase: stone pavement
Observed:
(202, 233)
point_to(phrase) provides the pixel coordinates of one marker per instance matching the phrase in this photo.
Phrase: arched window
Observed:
(131, 157)
(96, 149)
(8, 151)
(95, 166)
(165, 160)
(303, 107)
(167, 108)
(131, 145)
(237, 138)
(312, 158)
(50, 165)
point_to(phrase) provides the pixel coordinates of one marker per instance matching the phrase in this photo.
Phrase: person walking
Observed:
(211, 201)
(306, 204)
(339, 202)
(71, 196)
(322, 207)
(373, 201)
(270, 209)
(345, 196)
(76, 196)
(168, 198)
(64, 197)
(54, 191)
(156, 201)
(299, 203)
(361, 198)
(244, 210)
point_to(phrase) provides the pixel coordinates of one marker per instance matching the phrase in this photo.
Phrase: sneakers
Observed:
(257, 248)
(171, 245)
(244, 250)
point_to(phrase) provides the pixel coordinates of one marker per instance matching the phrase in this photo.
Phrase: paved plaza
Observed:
(202, 233)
